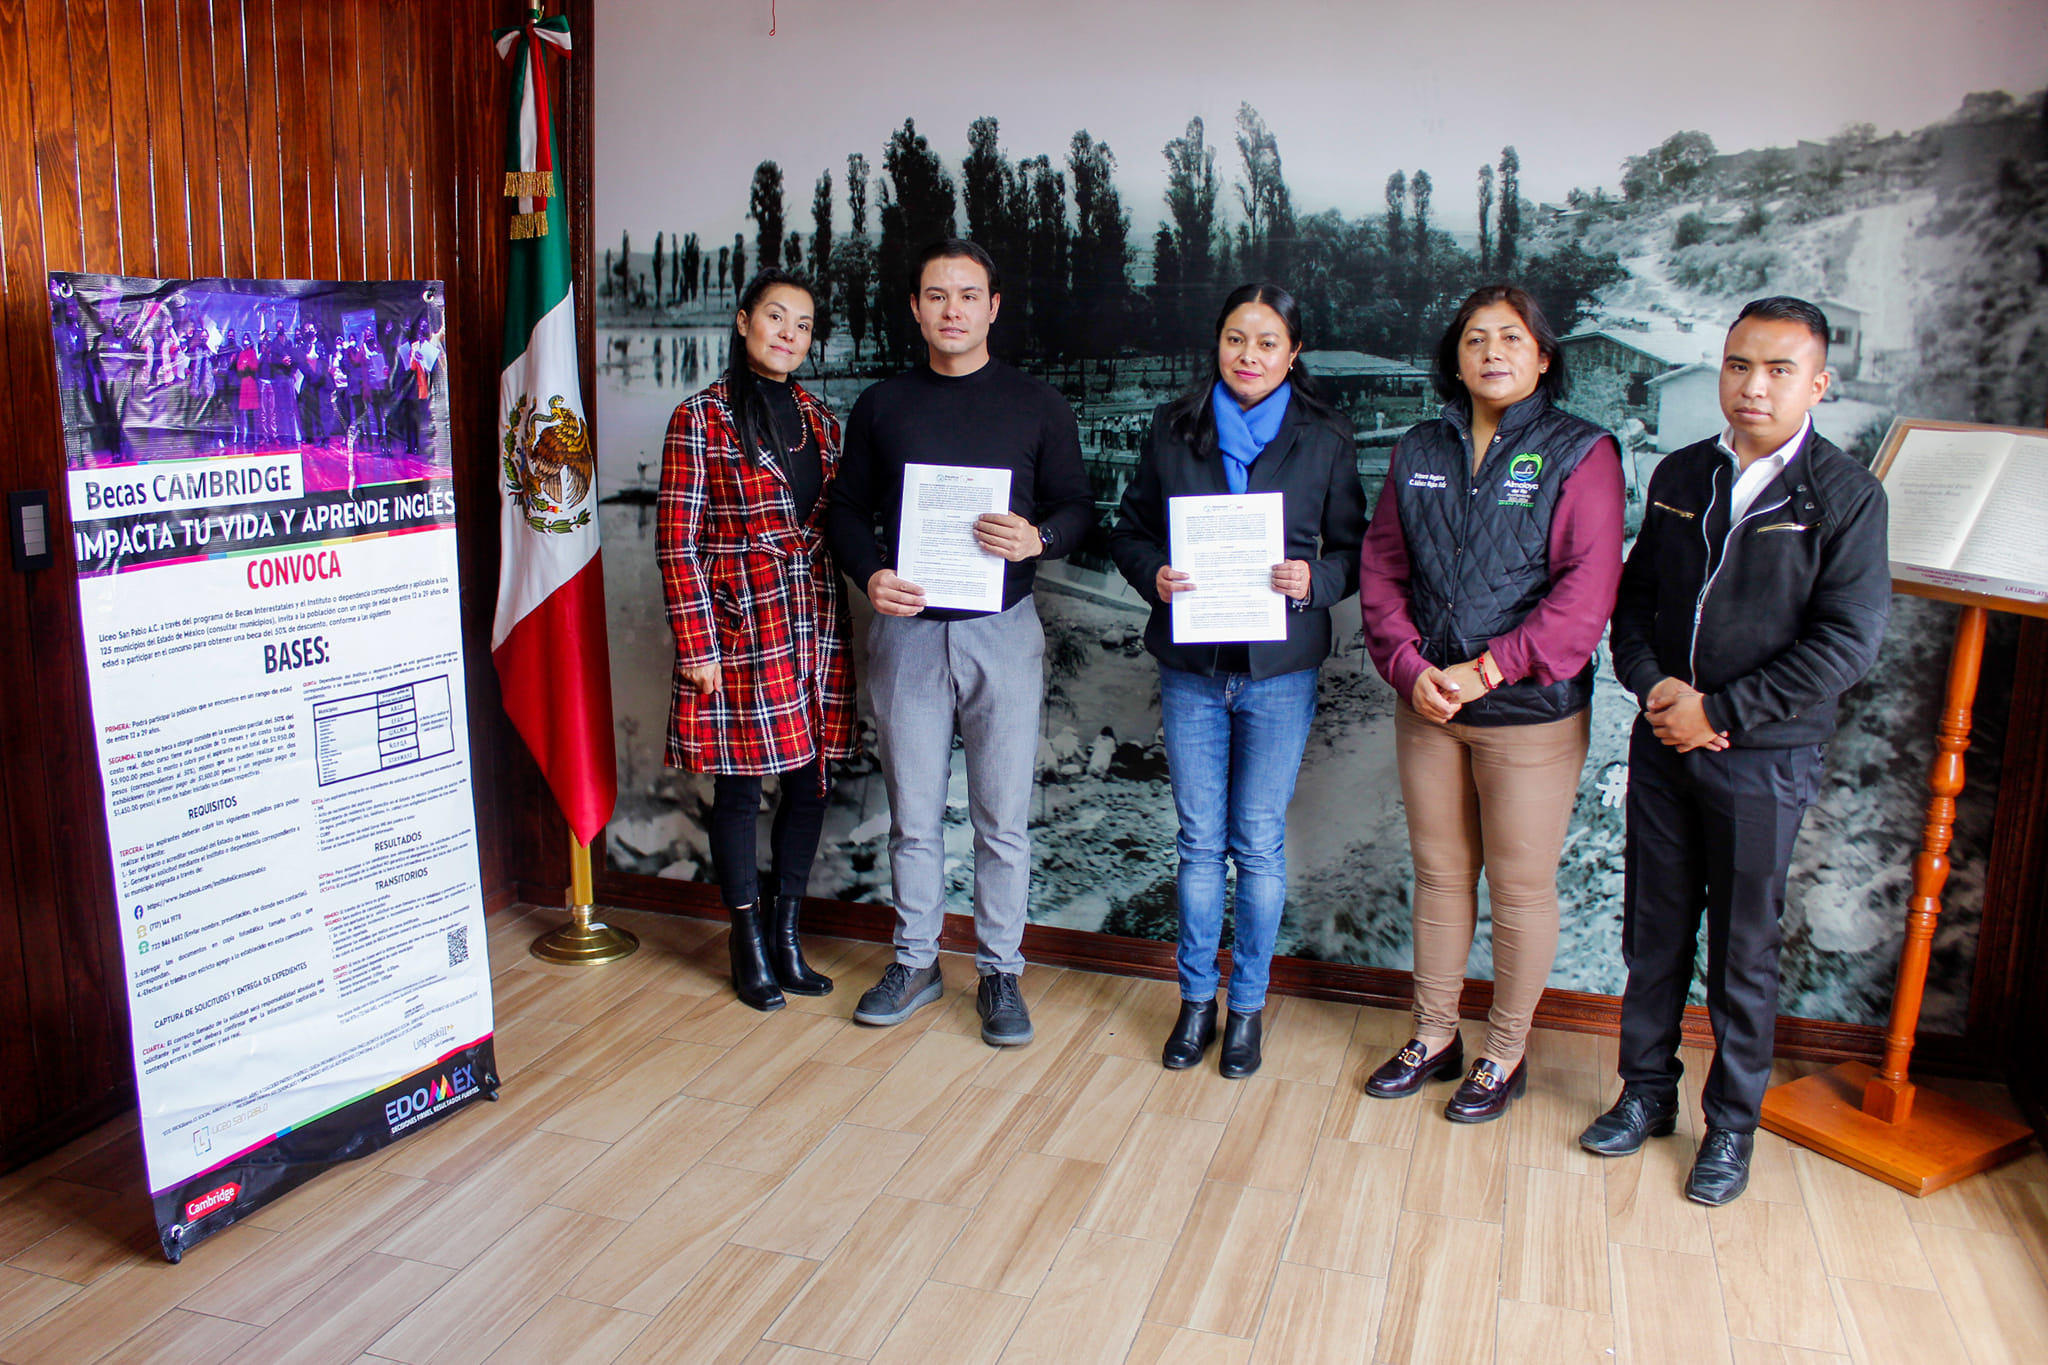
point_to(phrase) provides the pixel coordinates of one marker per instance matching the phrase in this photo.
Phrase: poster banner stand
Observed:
(260, 504)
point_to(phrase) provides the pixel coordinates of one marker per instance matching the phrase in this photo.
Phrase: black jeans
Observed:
(793, 837)
(1708, 833)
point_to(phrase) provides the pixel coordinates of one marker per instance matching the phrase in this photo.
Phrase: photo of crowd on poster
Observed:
(353, 376)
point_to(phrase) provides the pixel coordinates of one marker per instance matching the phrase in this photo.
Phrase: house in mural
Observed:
(1624, 356)
(1845, 338)
(1685, 406)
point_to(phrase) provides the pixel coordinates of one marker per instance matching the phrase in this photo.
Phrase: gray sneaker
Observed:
(1005, 1022)
(901, 992)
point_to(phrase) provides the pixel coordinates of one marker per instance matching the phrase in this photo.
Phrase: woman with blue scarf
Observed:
(1236, 716)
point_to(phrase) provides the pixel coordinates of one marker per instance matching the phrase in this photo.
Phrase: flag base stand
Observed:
(583, 942)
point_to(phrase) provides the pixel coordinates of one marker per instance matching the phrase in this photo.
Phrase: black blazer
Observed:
(1314, 465)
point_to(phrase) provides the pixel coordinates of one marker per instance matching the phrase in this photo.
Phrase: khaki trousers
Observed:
(1498, 798)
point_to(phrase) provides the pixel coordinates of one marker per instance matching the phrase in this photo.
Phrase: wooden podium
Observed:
(1877, 1120)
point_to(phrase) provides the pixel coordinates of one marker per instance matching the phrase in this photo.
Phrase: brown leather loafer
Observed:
(1486, 1092)
(1405, 1071)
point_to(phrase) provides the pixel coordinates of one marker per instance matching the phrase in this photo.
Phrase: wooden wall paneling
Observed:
(231, 97)
(162, 82)
(401, 57)
(371, 59)
(128, 123)
(55, 137)
(316, 135)
(61, 1007)
(266, 151)
(344, 110)
(288, 43)
(99, 206)
(27, 887)
(202, 115)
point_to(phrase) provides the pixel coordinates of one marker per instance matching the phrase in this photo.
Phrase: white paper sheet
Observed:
(1228, 544)
(936, 548)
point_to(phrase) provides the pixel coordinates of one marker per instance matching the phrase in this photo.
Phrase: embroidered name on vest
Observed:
(1419, 479)
(1518, 489)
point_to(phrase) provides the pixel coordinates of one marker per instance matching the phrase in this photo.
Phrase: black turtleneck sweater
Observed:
(796, 447)
(995, 418)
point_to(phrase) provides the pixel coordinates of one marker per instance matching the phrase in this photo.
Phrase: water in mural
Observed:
(1911, 241)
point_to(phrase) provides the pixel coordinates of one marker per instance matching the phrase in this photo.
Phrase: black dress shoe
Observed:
(753, 980)
(1486, 1092)
(1405, 1071)
(1637, 1115)
(1721, 1170)
(1191, 1036)
(786, 951)
(1240, 1056)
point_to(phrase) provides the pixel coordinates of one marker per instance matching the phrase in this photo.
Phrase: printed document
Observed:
(1227, 544)
(936, 548)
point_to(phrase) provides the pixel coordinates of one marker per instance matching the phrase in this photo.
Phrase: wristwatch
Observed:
(1044, 538)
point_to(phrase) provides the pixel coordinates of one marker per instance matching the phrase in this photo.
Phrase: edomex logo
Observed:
(1525, 467)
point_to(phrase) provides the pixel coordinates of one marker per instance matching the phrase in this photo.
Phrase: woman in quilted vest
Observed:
(1487, 577)
(764, 679)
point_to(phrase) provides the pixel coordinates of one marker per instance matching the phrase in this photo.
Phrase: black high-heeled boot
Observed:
(1241, 1033)
(752, 978)
(786, 952)
(1191, 1036)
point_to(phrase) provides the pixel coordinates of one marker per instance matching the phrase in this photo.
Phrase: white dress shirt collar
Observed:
(1758, 476)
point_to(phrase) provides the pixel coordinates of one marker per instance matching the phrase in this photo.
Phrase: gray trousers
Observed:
(988, 672)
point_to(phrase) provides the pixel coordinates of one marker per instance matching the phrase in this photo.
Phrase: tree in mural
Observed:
(917, 207)
(739, 265)
(1101, 253)
(1190, 232)
(1262, 194)
(853, 259)
(1485, 217)
(1510, 209)
(1047, 244)
(1397, 212)
(765, 208)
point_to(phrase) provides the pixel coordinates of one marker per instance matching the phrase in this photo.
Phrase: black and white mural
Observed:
(1128, 164)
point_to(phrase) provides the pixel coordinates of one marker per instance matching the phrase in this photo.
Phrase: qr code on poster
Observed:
(458, 946)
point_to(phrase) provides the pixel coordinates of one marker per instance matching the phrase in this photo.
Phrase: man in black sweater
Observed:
(1757, 593)
(929, 668)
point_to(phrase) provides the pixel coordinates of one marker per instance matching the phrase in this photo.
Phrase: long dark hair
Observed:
(749, 408)
(1443, 374)
(1189, 416)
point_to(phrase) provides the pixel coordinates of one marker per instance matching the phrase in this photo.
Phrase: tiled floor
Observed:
(671, 1177)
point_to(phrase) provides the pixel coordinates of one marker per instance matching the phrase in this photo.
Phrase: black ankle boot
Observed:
(1241, 1032)
(786, 953)
(1191, 1036)
(752, 979)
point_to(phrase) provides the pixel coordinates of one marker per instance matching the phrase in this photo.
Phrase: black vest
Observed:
(1479, 548)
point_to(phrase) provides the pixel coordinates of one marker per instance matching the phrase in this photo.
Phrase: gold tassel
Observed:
(526, 225)
(530, 184)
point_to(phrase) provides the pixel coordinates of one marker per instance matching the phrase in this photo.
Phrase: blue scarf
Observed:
(1241, 433)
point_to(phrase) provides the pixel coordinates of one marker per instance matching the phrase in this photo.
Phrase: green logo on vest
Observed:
(1519, 488)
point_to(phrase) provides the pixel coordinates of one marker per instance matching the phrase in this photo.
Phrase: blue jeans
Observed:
(1233, 746)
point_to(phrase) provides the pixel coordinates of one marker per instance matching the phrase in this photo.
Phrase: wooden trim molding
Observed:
(1818, 1040)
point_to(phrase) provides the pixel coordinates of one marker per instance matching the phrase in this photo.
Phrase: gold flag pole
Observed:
(583, 941)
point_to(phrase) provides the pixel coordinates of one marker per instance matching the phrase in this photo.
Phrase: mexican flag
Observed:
(548, 640)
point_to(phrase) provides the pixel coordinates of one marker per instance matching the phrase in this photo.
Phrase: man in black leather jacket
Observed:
(1756, 594)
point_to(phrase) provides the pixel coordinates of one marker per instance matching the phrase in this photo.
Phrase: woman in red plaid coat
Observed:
(764, 680)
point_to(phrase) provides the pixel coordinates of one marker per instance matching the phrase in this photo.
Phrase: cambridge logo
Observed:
(1525, 467)
(548, 464)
